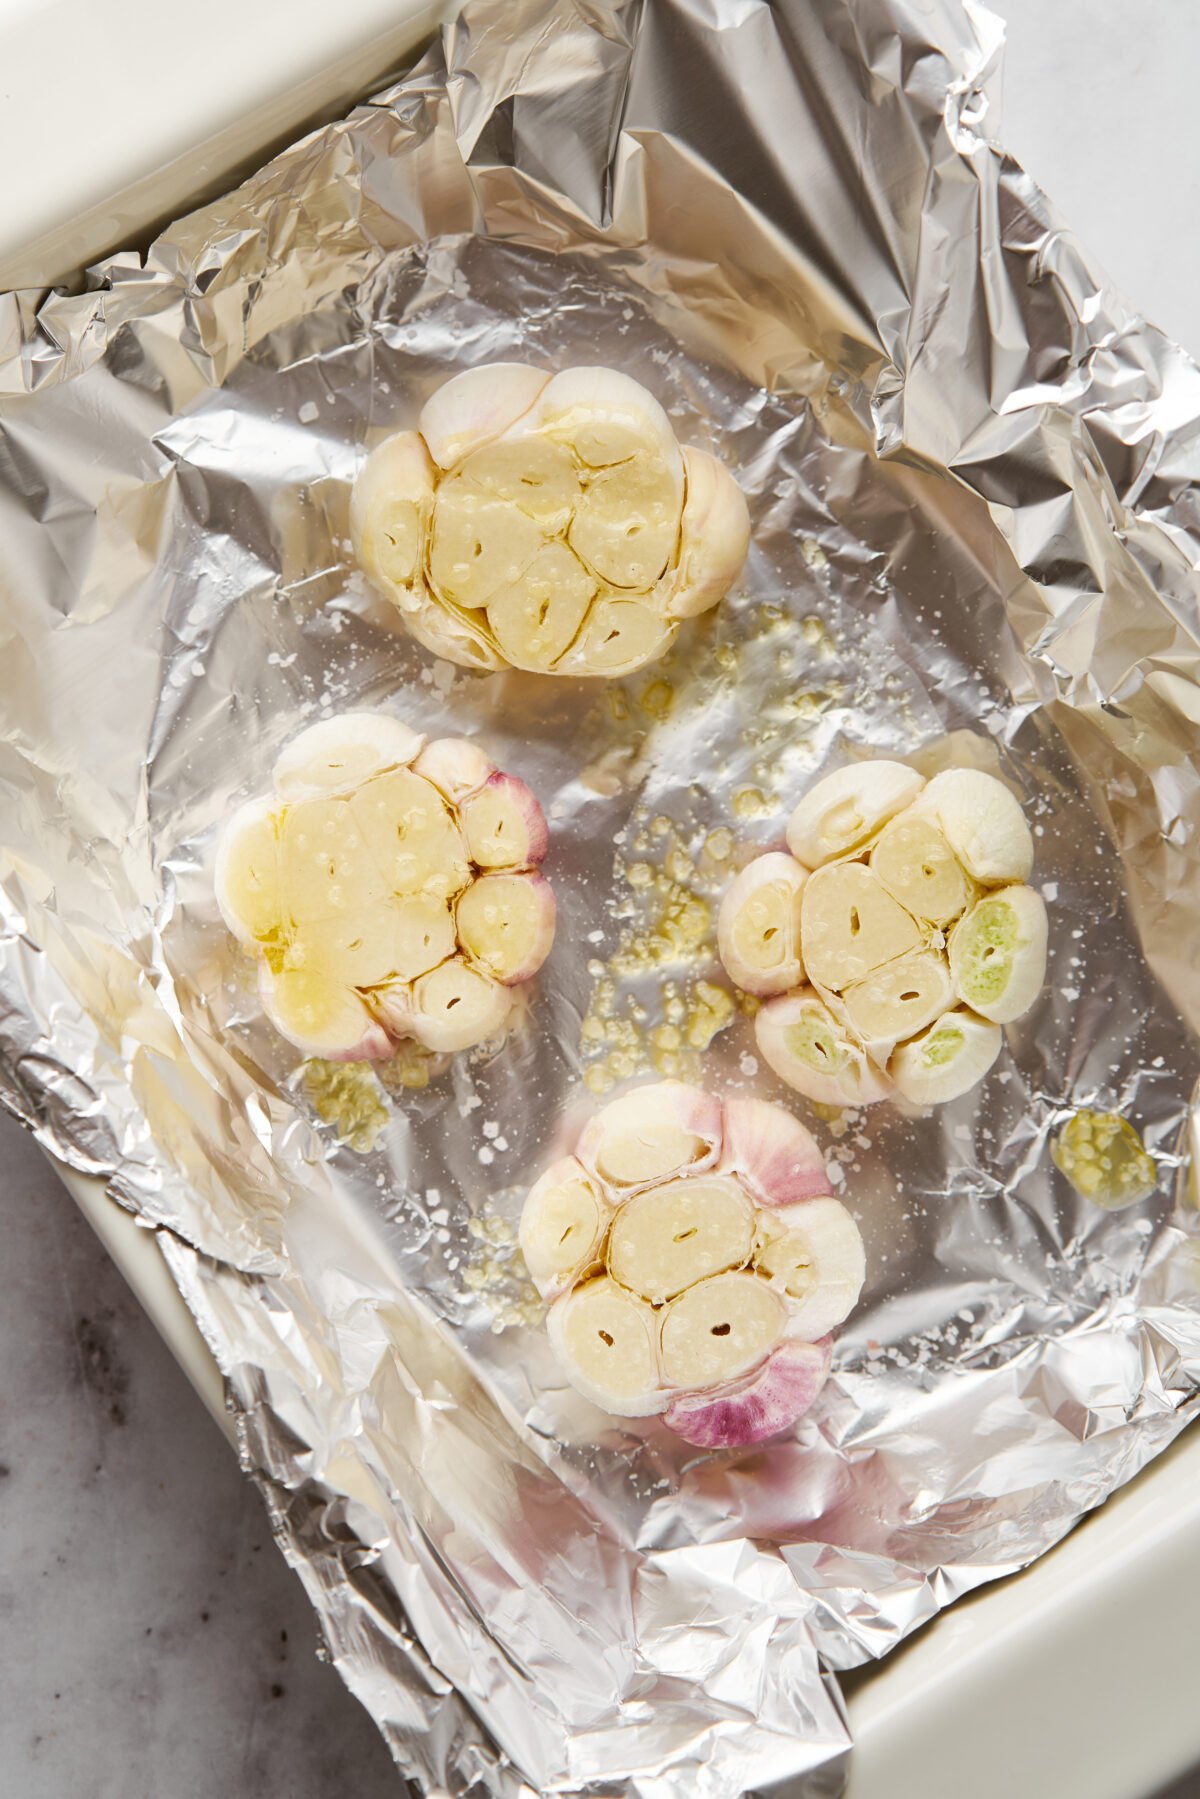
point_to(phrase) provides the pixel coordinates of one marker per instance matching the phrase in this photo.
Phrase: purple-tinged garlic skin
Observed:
(355, 886)
(768, 1402)
(694, 1263)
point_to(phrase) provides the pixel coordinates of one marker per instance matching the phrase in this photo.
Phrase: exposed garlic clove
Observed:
(537, 616)
(353, 949)
(847, 807)
(719, 1329)
(758, 926)
(947, 1060)
(808, 1048)
(618, 636)
(532, 473)
(714, 537)
(605, 1340)
(456, 766)
(916, 864)
(320, 1017)
(998, 954)
(606, 418)
(626, 522)
(814, 1256)
(326, 867)
(673, 1235)
(424, 935)
(772, 1400)
(247, 879)
(667, 1128)
(772, 1153)
(899, 999)
(506, 924)
(456, 1006)
(504, 825)
(476, 407)
(413, 837)
(850, 925)
(478, 546)
(338, 754)
(562, 1227)
(982, 822)
(390, 508)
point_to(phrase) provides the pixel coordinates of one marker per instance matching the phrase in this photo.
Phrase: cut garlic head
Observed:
(388, 890)
(547, 523)
(693, 1258)
(915, 935)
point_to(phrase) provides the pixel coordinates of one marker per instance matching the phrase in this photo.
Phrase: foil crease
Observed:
(975, 484)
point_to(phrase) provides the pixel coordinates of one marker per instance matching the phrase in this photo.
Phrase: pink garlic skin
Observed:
(778, 1168)
(767, 1402)
(530, 811)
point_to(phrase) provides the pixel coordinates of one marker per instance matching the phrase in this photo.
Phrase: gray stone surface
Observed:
(153, 1643)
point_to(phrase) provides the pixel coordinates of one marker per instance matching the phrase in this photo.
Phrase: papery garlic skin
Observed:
(389, 889)
(694, 1262)
(916, 935)
(547, 523)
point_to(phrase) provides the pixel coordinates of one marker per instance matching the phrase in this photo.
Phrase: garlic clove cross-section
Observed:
(389, 889)
(694, 1262)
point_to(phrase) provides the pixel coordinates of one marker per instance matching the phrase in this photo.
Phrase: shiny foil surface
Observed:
(974, 478)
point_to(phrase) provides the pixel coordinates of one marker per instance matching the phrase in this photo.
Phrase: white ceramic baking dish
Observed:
(1074, 1680)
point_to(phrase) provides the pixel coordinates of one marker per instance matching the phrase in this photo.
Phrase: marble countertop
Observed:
(152, 1642)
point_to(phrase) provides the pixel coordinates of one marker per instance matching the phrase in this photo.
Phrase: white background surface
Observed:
(142, 1608)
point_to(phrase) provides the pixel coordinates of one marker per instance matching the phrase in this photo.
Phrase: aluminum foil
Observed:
(975, 484)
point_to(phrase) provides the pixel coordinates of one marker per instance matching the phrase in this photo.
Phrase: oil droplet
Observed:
(1104, 1159)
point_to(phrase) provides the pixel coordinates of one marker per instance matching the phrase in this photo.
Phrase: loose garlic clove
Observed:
(719, 1329)
(418, 846)
(899, 999)
(320, 1017)
(850, 925)
(562, 1227)
(504, 825)
(673, 1235)
(947, 1060)
(606, 1341)
(998, 954)
(771, 1401)
(618, 636)
(808, 1048)
(338, 754)
(506, 924)
(390, 508)
(983, 824)
(916, 864)
(476, 407)
(247, 880)
(815, 1257)
(714, 537)
(652, 1133)
(772, 1153)
(847, 807)
(758, 927)
(456, 1006)
(456, 766)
